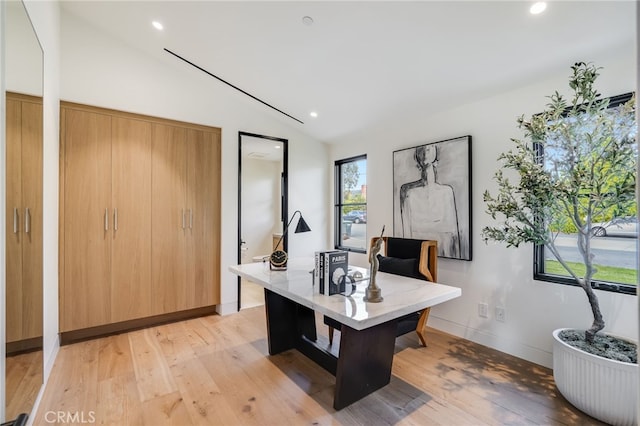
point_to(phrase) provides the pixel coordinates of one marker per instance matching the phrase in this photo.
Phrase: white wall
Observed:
(99, 70)
(497, 276)
(260, 206)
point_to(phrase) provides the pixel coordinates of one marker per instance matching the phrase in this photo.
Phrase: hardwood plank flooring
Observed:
(216, 371)
(23, 380)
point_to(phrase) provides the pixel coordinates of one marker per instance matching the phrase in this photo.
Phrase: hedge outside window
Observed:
(350, 205)
(615, 241)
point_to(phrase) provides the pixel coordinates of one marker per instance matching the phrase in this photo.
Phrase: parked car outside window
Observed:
(617, 227)
(356, 216)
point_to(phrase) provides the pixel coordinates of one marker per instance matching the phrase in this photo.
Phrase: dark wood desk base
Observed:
(364, 362)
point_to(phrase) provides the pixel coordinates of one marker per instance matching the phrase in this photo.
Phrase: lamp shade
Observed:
(302, 226)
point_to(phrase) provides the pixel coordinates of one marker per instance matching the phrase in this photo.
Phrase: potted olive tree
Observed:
(576, 167)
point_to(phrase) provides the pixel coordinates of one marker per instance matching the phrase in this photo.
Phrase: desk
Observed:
(368, 336)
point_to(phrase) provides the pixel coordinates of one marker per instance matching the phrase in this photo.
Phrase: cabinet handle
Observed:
(115, 219)
(183, 220)
(15, 220)
(106, 219)
(190, 219)
(27, 220)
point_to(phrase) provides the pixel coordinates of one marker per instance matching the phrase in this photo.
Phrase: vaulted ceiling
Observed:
(360, 62)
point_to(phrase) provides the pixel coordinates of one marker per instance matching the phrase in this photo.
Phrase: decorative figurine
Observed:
(373, 293)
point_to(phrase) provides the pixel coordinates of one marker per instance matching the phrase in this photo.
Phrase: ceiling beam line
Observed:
(231, 85)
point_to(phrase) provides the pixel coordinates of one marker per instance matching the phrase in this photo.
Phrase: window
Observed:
(615, 227)
(351, 204)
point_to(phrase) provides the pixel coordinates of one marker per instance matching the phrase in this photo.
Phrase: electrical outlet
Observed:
(501, 314)
(483, 310)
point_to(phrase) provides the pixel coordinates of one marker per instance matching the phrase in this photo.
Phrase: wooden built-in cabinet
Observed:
(86, 285)
(131, 212)
(140, 217)
(23, 221)
(184, 235)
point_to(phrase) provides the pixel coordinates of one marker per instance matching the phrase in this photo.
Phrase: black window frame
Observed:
(338, 204)
(538, 250)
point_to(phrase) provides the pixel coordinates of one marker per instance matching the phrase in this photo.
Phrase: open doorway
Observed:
(262, 205)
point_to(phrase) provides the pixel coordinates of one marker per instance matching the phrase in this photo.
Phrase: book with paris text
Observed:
(336, 267)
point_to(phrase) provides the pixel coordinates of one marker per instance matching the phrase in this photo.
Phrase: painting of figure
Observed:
(431, 195)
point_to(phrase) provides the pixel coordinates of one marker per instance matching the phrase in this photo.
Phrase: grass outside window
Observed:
(613, 274)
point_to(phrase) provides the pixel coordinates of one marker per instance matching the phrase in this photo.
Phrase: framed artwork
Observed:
(432, 195)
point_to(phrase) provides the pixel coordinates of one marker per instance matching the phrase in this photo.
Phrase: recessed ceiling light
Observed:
(538, 7)
(157, 25)
(277, 146)
(313, 114)
(307, 20)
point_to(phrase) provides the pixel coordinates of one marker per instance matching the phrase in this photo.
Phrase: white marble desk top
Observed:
(401, 295)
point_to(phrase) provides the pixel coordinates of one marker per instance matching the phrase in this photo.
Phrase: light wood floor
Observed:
(23, 380)
(216, 370)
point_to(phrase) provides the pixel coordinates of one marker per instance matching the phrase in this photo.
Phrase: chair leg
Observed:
(422, 325)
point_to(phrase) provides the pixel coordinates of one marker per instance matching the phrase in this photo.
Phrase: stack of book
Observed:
(330, 271)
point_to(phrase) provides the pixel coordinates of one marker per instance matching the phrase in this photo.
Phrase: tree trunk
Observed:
(585, 283)
(584, 247)
(598, 321)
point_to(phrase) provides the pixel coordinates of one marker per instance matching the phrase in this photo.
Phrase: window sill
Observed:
(597, 285)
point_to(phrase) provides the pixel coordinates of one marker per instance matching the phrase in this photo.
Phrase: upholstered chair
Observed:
(407, 257)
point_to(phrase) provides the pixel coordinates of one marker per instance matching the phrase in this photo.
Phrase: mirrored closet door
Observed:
(23, 73)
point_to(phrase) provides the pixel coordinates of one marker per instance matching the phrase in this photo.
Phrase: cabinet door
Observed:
(131, 219)
(32, 213)
(24, 219)
(203, 201)
(87, 211)
(168, 218)
(14, 221)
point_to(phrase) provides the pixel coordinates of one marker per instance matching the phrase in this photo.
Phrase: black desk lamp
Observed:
(278, 259)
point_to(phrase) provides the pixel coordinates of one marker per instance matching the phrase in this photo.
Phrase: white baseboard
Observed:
(227, 308)
(51, 359)
(509, 346)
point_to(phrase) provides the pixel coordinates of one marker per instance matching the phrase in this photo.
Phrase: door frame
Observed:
(284, 189)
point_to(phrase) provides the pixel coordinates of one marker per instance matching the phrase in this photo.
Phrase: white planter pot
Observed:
(602, 388)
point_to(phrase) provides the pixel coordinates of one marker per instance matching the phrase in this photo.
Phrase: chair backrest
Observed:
(425, 251)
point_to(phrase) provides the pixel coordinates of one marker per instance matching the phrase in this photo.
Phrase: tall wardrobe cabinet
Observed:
(23, 220)
(184, 235)
(134, 243)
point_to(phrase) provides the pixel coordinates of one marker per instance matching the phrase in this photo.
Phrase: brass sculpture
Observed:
(373, 293)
